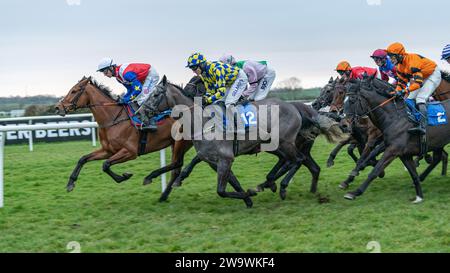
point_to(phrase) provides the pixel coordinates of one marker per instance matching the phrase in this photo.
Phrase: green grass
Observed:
(40, 216)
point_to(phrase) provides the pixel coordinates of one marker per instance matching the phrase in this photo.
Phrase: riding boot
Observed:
(421, 128)
(150, 125)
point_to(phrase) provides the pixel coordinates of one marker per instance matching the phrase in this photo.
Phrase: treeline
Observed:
(295, 94)
(15, 103)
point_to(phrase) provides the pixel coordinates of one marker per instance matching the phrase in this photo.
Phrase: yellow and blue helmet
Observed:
(195, 59)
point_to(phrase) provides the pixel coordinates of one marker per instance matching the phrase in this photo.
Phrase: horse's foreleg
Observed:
(175, 163)
(314, 169)
(96, 155)
(367, 155)
(388, 156)
(411, 166)
(122, 156)
(178, 151)
(333, 154)
(351, 152)
(186, 171)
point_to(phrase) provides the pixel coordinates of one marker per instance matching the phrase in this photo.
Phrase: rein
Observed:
(73, 106)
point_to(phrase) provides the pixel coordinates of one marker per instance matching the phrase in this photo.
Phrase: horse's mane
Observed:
(445, 75)
(104, 89)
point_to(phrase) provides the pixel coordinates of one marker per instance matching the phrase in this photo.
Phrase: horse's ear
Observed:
(164, 81)
(331, 80)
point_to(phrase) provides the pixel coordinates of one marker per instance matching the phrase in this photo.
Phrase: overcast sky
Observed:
(47, 46)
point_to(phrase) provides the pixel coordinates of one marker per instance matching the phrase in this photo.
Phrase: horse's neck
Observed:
(383, 116)
(104, 115)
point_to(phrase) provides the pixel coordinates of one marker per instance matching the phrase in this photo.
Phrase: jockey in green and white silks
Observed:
(260, 76)
(223, 82)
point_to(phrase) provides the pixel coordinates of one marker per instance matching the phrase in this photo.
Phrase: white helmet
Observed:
(228, 59)
(105, 63)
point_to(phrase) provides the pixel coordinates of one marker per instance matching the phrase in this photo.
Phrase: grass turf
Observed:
(40, 216)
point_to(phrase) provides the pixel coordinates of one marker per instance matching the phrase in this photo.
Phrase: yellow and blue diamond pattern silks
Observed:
(217, 77)
(195, 59)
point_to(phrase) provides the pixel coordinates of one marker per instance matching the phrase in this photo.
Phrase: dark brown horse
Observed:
(373, 97)
(369, 140)
(118, 137)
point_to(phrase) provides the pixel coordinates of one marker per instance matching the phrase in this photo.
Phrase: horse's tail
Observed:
(314, 124)
(330, 129)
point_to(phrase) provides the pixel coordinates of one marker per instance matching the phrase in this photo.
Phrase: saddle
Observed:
(436, 115)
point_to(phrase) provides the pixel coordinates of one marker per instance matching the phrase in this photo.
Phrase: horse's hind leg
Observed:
(96, 155)
(285, 182)
(351, 152)
(314, 169)
(272, 176)
(179, 149)
(122, 156)
(437, 157)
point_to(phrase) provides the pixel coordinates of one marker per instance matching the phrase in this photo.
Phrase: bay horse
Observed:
(373, 97)
(119, 139)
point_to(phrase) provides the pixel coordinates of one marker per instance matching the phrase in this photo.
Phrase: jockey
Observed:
(385, 66)
(223, 82)
(423, 76)
(139, 79)
(348, 73)
(260, 77)
(446, 53)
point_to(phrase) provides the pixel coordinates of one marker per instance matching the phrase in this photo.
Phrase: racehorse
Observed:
(373, 97)
(326, 95)
(220, 154)
(119, 139)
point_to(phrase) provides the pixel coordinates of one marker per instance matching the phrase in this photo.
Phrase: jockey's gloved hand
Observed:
(400, 94)
(204, 101)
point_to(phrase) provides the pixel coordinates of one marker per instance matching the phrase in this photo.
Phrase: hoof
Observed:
(260, 188)
(176, 184)
(147, 181)
(417, 200)
(162, 199)
(350, 196)
(127, 176)
(251, 192)
(343, 186)
(248, 202)
(273, 187)
(70, 187)
(382, 174)
(330, 163)
(283, 194)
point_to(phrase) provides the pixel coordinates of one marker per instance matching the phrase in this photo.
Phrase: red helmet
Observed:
(379, 53)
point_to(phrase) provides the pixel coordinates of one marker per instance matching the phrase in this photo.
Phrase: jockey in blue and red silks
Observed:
(138, 78)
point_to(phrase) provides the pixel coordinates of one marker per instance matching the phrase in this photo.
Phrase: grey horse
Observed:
(219, 154)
